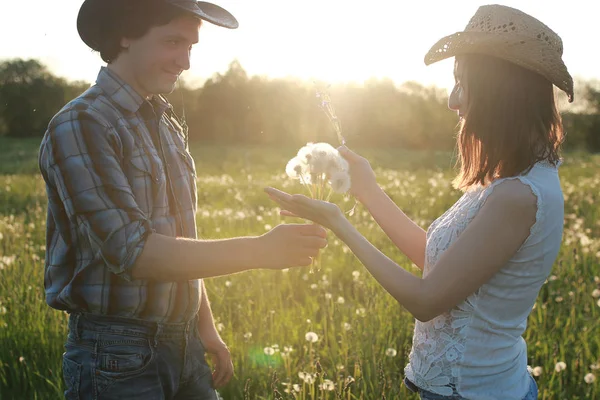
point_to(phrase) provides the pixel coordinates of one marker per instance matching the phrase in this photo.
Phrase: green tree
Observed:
(29, 96)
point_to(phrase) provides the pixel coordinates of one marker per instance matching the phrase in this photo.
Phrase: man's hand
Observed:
(291, 245)
(221, 360)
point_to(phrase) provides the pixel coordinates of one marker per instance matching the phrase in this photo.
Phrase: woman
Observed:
(485, 259)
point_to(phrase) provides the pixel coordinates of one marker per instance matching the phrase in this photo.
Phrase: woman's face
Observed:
(458, 97)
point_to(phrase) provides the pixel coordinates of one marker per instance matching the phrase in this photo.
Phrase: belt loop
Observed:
(76, 335)
(159, 328)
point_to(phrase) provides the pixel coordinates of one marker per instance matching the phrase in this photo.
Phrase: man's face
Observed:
(156, 60)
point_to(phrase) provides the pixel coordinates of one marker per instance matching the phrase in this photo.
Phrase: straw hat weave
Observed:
(512, 35)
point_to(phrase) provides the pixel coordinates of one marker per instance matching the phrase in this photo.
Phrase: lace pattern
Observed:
(439, 344)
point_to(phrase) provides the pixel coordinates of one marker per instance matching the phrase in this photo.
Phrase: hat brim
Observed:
(93, 14)
(508, 47)
(209, 12)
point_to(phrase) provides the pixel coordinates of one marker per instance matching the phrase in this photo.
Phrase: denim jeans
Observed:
(426, 395)
(121, 358)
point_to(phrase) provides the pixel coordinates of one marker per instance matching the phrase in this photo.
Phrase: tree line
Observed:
(234, 108)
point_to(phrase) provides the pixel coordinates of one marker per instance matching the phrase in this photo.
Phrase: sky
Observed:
(329, 40)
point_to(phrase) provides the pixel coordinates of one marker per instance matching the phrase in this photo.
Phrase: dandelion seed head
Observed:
(327, 385)
(391, 352)
(311, 337)
(269, 351)
(537, 371)
(560, 366)
(288, 349)
(340, 182)
(589, 378)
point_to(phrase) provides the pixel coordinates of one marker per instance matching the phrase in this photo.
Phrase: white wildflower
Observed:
(537, 371)
(269, 351)
(560, 366)
(307, 377)
(340, 182)
(311, 337)
(589, 378)
(391, 352)
(327, 385)
(296, 169)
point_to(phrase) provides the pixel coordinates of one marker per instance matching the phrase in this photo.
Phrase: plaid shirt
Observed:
(116, 168)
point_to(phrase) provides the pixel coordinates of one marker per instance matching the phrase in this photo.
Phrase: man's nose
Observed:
(183, 61)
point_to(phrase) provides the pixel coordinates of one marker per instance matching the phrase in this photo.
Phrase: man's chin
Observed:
(165, 89)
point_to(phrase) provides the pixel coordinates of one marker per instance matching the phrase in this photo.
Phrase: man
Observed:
(122, 255)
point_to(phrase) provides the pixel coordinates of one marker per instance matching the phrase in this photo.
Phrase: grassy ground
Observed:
(263, 314)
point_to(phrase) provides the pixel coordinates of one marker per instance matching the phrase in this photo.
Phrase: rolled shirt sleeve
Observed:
(83, 163)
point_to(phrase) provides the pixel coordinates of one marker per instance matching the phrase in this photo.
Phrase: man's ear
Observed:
(125, 43)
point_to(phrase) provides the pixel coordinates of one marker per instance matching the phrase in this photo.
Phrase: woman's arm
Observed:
(409, 237)
(402, 231)
(485, 246)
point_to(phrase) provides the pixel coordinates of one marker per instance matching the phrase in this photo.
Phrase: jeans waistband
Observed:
(82, 321)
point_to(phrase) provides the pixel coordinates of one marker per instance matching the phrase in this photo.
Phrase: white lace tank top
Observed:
(477, 346)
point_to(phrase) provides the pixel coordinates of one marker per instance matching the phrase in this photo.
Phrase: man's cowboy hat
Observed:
(94, 16)
(512, 35)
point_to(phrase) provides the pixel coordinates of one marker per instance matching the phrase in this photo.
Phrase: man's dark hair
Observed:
(132, 19)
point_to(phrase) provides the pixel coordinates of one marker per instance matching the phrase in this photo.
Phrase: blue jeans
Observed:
(426, 395)
(121, 358)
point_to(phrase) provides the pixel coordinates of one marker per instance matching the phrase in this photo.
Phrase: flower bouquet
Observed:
(322, 171)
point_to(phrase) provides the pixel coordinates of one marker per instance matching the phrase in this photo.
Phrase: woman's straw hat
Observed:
(512, 35)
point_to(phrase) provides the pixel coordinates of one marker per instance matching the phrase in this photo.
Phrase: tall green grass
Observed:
(364, 336)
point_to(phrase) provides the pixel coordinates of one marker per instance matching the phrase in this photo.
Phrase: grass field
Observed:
(363, 336)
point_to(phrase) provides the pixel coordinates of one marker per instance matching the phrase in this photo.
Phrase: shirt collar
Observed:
(125, 96)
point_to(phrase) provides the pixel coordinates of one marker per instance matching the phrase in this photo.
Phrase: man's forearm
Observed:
(175, 259)
(406, 235)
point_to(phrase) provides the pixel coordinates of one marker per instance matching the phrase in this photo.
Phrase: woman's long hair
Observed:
(511, 121)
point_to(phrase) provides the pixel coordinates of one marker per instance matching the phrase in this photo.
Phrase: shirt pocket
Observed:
(146, 176)
(189, 171)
